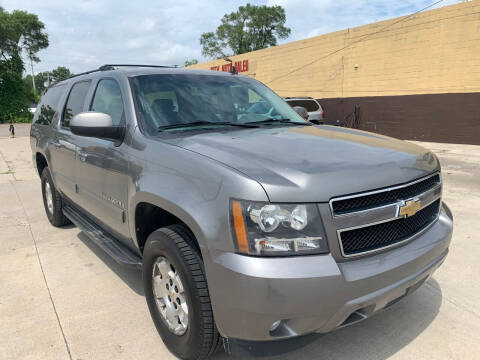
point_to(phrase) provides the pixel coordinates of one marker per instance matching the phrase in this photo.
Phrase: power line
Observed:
(354, 42)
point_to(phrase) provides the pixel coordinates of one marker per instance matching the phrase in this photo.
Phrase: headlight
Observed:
(266, 229)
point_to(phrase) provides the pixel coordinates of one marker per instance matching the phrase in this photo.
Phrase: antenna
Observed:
(233, 71)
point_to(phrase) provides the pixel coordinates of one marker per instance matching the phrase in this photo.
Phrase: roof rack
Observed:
(83, 73)
(107, 67)
(113, 66)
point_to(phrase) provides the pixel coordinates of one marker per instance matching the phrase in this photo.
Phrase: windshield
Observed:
(164, 102)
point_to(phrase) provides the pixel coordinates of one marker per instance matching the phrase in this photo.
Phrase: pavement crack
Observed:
(9, 168)
(67, 346)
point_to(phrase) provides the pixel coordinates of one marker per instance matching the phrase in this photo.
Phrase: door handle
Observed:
(82, 156)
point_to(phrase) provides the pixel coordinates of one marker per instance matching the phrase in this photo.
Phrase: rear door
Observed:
(63, 148)
(102, 166)
(45, 120)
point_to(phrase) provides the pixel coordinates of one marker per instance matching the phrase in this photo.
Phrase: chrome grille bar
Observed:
(382, 214)
(379, 192)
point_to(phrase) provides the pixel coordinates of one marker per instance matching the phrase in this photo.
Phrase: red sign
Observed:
(241, 66)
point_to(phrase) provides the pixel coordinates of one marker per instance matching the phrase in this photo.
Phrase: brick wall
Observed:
(437, 51)
(450, 118)
(385, 68)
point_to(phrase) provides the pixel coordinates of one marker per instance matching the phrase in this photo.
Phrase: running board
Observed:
(113, 247)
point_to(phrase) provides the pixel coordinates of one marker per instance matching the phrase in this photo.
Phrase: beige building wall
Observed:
(436, 51)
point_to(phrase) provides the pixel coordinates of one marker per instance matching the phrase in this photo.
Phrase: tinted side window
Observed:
(75, 102)
(310, 105)
(249, 101)
(47, 107)
(108, 100)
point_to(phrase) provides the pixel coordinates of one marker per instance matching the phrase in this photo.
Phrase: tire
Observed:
(174, 245)
(53, 209)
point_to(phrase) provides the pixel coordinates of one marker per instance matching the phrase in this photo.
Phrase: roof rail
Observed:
(113, 66)
(83, 73)
(298, 97)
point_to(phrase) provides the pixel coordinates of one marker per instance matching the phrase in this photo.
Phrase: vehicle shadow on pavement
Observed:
(131, 277)
(376, 338)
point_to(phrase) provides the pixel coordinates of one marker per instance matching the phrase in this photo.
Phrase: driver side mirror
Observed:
(300, 110)
(96, 124)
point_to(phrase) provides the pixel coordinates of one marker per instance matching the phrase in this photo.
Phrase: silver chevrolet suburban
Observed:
(248, 227)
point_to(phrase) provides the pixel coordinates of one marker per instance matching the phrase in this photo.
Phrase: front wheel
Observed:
(52, 200)
(177, 294)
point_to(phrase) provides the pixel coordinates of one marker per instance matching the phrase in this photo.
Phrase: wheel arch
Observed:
(151, 212)
(40, 162)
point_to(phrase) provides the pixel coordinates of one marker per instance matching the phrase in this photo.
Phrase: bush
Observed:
(23, 118)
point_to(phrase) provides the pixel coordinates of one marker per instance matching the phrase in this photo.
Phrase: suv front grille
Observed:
(385, 197)
(373, 237)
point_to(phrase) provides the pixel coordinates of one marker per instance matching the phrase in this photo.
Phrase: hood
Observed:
(313, 163)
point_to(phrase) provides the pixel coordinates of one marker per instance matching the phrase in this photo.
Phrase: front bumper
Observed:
(315, 293)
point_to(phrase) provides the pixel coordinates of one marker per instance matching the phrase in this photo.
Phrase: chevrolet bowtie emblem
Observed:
(409, 208)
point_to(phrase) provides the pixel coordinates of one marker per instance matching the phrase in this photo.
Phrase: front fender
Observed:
(195, 189)
(167, 205)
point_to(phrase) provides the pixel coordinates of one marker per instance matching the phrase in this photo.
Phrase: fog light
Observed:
(275, 325)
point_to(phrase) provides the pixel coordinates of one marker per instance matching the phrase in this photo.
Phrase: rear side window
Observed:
(47, 108)
(108, 100)
(310, 105)
(75, 102)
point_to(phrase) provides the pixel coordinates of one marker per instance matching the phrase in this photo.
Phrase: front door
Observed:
(101, 166)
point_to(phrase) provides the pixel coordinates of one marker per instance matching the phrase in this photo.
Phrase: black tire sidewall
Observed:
(56, 218)
(187, 345)
(46, 177)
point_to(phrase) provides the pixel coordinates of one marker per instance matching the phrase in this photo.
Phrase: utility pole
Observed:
(33, 77)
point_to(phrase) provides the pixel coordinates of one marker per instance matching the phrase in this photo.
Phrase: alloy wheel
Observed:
(170, 296)
(49, 197)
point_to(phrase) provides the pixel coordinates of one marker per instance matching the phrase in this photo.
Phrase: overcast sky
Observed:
(85, 34)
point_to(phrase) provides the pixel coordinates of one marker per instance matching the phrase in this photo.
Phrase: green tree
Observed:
(28, 90)
(7, 35)
(249, 28)
(13, 99)
(40, 80)
(60, 73)
(190, 62)
(20, 32)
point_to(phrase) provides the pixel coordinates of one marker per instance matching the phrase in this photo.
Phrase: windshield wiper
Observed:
(277, 121)
(200, 123)
(249, 124)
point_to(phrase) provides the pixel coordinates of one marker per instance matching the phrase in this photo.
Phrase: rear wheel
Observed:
(177, 294)
(52, 200)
